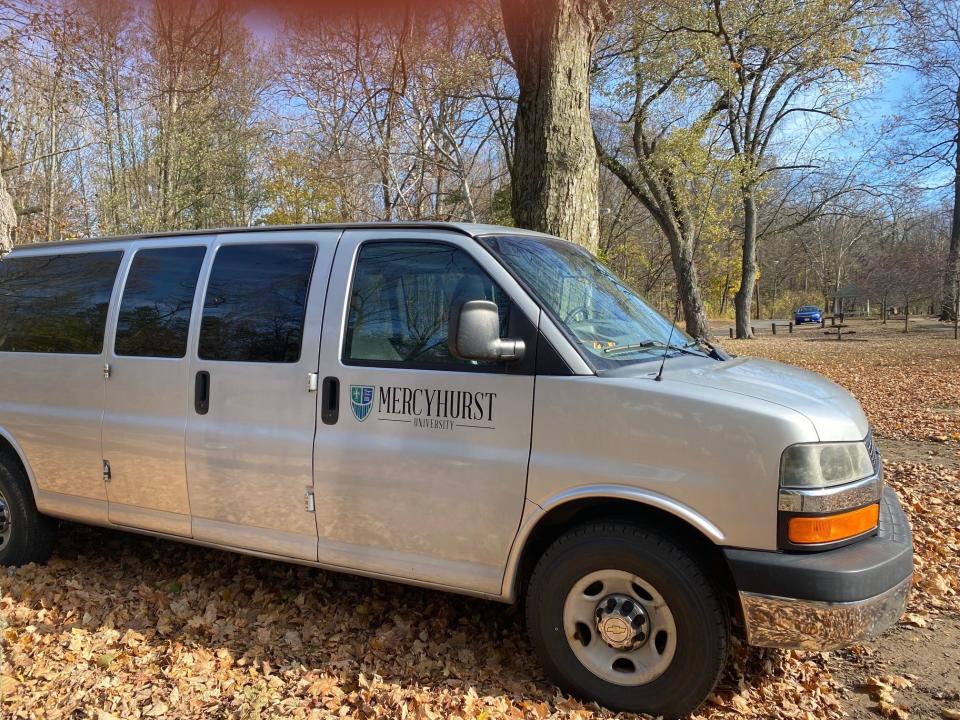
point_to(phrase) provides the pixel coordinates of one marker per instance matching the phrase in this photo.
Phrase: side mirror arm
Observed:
(509, 350)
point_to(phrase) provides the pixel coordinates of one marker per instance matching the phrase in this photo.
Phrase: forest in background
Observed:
(744, 158)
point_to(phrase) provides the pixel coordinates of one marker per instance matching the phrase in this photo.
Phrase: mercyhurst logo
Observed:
(429, 408)
(361, 400)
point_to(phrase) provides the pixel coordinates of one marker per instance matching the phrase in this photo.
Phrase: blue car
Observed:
(807, 313)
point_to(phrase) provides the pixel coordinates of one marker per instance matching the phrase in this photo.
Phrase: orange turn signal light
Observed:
(830, 528)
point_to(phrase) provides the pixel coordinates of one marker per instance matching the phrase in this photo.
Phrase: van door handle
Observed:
(330, 401)
(201, 393)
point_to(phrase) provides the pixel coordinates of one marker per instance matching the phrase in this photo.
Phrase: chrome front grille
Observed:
(872, 450)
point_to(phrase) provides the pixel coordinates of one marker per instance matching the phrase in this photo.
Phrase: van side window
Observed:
(256, 302)
(56, 303)
(157, 299)
(401, 299)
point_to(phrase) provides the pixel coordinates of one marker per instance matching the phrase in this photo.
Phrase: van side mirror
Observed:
(475, 334)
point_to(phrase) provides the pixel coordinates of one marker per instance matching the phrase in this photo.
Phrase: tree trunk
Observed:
(725, 293)
(694, 313)
(679, 236)
(950, 275)
(168, 132)
(8, 218)
(554, 173)
(741, 301)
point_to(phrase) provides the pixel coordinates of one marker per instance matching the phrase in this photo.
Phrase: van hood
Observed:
(835, 414)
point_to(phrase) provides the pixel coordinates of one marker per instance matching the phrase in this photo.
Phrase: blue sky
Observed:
(887, 98)
(264, 21)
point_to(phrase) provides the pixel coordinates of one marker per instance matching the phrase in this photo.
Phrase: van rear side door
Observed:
(53, 315)
(252, 415)
(145, 413)
(421, 458)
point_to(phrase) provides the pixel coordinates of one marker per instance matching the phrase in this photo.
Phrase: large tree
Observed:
(777, 63)
(931, 125)
(660, 146)
(554, 168)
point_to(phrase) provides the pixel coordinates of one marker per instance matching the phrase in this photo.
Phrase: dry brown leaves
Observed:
(117, 626)
(931, 496)
(882, 691)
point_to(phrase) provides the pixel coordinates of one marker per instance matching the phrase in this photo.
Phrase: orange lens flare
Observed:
(830, 528)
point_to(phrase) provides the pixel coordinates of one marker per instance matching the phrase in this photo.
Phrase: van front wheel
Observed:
(25, 535)
(624, 616)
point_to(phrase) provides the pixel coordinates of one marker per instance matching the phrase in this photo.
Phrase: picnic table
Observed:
(838, 331)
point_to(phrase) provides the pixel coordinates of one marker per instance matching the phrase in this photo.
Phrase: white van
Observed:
(476, 409)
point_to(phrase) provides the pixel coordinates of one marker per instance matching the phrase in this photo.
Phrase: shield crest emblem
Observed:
(361, 400)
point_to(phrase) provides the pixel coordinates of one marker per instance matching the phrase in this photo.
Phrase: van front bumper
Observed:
(826, 600)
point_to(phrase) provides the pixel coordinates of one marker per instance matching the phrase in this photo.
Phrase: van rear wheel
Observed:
(25, 535)
(624, 616)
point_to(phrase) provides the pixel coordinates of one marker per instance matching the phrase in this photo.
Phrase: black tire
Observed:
(29, 535)
(701, 618)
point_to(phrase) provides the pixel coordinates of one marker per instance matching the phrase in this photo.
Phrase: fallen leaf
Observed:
(889, 710)
(8, 685)
(897, 681)
(157, 710)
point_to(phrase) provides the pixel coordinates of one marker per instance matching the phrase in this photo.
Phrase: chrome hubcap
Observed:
(619, 627)
(622, 622)
(4, 521)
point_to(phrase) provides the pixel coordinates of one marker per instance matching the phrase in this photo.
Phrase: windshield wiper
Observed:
(646, 344)
(715, 352)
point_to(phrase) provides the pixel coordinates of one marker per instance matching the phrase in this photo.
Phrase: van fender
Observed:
(534, 512)
(23, 461)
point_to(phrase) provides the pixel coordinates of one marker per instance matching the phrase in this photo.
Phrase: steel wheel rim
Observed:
(638, 666)
(5, 522)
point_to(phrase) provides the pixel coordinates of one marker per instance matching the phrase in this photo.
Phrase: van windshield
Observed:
(604, 317)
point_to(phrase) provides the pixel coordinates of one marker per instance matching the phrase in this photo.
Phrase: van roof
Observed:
(471, 229)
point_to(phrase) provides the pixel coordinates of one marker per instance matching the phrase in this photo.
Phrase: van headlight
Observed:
(822, 465)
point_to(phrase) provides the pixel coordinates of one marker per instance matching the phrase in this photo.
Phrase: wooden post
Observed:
(731, 333)
(790, 328)
(773, 326)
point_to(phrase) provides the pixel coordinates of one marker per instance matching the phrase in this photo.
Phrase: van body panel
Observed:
(438, 503)
(250, 457)
(714, 452)
(22, 457)
(806, 392)
(144, 422)
(73, 507)
(169, 523)
(52, 405)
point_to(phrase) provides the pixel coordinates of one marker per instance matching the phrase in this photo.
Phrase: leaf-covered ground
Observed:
(118, 626)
